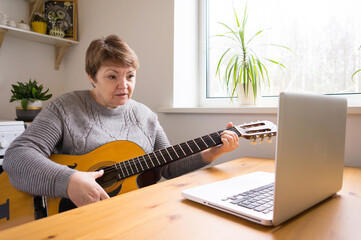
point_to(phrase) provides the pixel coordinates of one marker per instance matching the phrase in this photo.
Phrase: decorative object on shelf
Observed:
(3, 19)
(57, 32)
(12, 23)
(239, 67)
(65, 11)
(23, 25)
(57, 26)
(39, 23)
(29, 96)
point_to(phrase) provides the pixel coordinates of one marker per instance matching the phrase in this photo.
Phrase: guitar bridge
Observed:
(40, 207)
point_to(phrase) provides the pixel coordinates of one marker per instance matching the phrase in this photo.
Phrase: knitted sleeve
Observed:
(26, 160)
(179, 167)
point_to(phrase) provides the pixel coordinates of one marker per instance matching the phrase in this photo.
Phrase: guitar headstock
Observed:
(260, 129)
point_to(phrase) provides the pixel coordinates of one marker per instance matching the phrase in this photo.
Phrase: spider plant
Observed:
(240, 64)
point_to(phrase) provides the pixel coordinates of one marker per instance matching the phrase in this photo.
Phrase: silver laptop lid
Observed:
(310, 151)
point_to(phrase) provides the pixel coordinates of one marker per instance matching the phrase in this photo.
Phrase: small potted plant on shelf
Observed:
(30, 97)
(39, 23)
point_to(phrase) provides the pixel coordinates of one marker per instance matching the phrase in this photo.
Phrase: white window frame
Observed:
(202, 76)
(189, 89)
(353, 99)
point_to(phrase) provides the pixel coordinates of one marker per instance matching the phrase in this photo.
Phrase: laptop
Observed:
(309, 164)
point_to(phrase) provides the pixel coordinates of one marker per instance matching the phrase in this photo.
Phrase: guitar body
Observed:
(17, 207)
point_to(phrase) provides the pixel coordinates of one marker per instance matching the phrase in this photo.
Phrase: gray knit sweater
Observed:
(76, 124)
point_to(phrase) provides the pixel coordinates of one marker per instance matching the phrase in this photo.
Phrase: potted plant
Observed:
(239, 67)
(30, 96)
(39, 23)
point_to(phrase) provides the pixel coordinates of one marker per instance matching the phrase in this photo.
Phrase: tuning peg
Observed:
(254, 142)
(269, 140)
(262, 138)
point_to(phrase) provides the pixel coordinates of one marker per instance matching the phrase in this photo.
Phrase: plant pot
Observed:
(39, 27)
(28, 115)
(248, 97)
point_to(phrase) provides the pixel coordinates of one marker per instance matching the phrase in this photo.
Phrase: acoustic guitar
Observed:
(123, 163)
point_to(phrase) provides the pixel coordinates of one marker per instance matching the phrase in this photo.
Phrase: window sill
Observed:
(235, 110)
(221, 110)
(265, 107)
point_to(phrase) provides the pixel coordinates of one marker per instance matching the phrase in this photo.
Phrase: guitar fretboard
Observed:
(163, 156)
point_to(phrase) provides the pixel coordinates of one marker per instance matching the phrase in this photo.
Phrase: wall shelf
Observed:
(60, 44)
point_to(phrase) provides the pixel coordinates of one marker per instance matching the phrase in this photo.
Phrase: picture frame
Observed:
(67, 12)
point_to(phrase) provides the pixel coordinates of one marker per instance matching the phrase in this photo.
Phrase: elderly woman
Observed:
(78, 122)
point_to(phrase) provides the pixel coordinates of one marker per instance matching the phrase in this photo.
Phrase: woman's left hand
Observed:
(230, 142)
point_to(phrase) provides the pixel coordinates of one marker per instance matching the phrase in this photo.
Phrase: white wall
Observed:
(147, 26)
(21, 60)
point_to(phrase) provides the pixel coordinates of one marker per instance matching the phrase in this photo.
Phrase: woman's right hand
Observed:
(83, 189)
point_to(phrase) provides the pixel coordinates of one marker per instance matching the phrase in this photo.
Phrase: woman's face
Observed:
(114, 85)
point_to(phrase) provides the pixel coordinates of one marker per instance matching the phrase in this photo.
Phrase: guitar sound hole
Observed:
(109, 177)
(65, 205)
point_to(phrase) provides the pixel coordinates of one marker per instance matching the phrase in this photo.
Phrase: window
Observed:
(325, 36)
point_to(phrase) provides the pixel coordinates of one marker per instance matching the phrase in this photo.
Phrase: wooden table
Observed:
(160, 212)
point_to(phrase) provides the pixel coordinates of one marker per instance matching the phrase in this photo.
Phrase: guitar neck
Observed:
(163, 156)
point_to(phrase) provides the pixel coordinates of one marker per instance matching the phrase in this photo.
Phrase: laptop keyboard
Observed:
(259, 199)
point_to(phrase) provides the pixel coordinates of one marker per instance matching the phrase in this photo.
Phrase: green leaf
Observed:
(34, 93)
(235, 15)
(220, 60)
(265, 69)
(24, 103)
(226, 36)
(235, 69)
(275, 62)
(260, 67)
(281, 46)
(233, 32)
(353, 75)
(229, 69)
(241, 36)
(228, 76)
(47, 97)
(258, 33)
(244, 17)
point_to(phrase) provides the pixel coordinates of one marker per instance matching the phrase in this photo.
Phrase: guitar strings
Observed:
(141, 159)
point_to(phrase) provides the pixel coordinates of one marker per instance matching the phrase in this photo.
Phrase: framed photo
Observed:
(66, 14)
